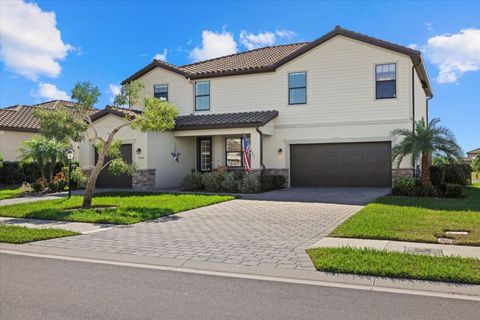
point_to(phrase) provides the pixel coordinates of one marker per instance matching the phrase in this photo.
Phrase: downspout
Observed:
(413, 109)
(261, 147)
(428, 99)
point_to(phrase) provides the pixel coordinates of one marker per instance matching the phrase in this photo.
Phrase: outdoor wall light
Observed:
(280, 150)
(138, 151)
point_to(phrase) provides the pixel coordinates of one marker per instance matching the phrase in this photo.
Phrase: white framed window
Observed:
(386, 81)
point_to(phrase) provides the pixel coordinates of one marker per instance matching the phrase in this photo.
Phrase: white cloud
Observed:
(31, 45)
(283, 33)
(454, 54)
(214, 44)
(413, 46)
(429, 26)
(263, 39)
(50, 91)
(253, 41)
(113, 90)
(161, 56)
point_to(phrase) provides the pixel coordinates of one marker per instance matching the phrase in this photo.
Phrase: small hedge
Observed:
(452, 173)
(13, 173)
(231, 183)
(413, 188)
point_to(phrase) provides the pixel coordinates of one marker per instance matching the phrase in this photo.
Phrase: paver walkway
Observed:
(433, 249)
(238, 232)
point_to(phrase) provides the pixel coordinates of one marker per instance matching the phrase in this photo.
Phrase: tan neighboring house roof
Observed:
(21, 118)
(268, 59)
(474, 152)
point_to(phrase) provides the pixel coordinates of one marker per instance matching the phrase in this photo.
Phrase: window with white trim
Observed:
(386, 81)
(161, 92)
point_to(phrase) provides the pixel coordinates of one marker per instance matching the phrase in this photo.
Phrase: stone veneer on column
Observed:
(402, 173)
(144, 179)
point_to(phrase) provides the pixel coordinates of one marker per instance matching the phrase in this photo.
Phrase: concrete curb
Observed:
(415, 287)
(400, 246)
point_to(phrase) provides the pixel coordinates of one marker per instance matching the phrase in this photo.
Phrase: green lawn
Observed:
(17, 234)
(416, 219)
(392, 264)
(128, 207)
(9, 192)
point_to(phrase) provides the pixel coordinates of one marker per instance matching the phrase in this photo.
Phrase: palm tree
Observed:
(46, 152)
(425, 141)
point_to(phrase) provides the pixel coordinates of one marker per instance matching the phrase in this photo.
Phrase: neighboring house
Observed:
(319, 112)
(471, 155)
(18, 124)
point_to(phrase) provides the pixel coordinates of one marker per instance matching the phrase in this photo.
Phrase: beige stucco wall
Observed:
(169, 173)
(104, 126)
(10, 142)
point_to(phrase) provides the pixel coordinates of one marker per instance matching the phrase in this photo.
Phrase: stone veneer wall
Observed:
(402, 173)
(144, 179)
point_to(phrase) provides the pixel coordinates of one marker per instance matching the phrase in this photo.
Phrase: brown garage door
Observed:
(108, 180)
(341, 164)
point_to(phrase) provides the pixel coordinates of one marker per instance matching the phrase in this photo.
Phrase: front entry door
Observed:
(204, 154)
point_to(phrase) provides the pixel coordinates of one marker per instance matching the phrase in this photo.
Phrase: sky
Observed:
(48, 46)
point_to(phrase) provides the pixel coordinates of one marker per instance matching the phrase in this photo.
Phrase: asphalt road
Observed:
(38, 288)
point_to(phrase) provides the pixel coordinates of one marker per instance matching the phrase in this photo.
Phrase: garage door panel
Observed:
(108, 180)
(341, 164)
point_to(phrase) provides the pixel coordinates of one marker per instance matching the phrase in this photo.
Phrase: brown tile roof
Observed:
(21, 118)
(474, 151)
(225, 120)
(203, 121)
(121, 112)
(257, 59)
(269, 58)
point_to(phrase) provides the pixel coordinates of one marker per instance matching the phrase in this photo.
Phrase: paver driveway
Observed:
(241, 232)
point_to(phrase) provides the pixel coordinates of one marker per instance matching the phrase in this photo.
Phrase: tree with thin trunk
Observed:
(157, 116)
(46, 152)
(424, 141)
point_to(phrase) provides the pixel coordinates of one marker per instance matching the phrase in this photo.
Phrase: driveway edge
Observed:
(369, 283)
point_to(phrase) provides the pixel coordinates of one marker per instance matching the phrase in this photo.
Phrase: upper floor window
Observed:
(161, 92)
(386, 81)
(202, 95)
(297, 88)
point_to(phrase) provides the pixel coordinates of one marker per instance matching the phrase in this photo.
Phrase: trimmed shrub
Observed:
(451, 190)
(249, 184)
(193, 181)
(404, 187)
(272, 182)
(37, 186)
(453, 173)
(212, 181)
(229, 182)
(26, 188)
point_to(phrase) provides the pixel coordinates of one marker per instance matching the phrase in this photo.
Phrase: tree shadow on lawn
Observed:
(124, 215)
(471, 202)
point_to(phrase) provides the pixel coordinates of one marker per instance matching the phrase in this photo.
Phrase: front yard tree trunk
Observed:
(92, 180)
(425, 179)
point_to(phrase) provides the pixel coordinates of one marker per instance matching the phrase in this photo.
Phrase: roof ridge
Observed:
(241, 53)
(338, 28)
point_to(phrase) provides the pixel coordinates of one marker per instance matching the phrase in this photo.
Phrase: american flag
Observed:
(246, 152)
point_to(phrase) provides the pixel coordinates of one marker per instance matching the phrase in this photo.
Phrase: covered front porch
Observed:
(219, 139)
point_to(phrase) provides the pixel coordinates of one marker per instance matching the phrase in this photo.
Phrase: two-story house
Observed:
(320, 112)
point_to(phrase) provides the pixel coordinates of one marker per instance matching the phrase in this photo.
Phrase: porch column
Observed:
(255, 145)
